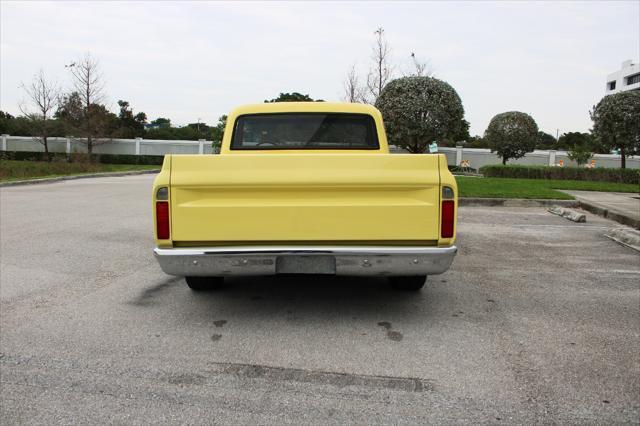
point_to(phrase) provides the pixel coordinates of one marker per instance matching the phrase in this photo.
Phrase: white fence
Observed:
(476, 157)
(480, 157)
(136, 146)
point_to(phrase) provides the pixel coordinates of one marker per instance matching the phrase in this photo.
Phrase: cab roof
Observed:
(276, 107)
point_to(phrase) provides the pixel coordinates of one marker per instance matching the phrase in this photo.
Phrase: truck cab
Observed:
(305, 187)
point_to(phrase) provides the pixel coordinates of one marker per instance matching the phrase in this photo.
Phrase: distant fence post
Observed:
(552, 157)
(138, 140)
(4, 142)
(201, 146)
(458, 155)
(68, 149)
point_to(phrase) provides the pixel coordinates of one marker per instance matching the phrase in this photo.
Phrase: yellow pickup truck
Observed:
(305, 188)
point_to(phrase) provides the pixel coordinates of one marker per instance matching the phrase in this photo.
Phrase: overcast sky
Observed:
(196, 60)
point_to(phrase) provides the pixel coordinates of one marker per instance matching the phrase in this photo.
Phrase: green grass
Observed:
(532, 188)
(23, 170)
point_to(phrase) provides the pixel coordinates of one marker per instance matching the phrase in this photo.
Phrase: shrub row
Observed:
(78, 158)
(129, 159)
(599, 174)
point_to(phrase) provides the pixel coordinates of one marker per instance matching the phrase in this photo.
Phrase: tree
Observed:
(616, 123)
(512, 134)
(580, 146)
(43, 96)
(18, 126)
(217, 132)
(420, 110)
(580, 153)
(160, 133)
(353, 92)
(130, 125)
(476, 142)
(75, 116)
(381, 71)
(161, 123)
(161, 129)
(70, 111)
(462, 132)
(545, 141)
(189, 132)
(570, 140)
(105, 122)
(420, 69)
(89, 86)
(292, 97)
(6, 121)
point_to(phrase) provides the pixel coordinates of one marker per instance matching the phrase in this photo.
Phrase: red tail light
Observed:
(162, 220)
(446, 225)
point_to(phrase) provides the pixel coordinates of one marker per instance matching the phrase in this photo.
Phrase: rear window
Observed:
(304, 131)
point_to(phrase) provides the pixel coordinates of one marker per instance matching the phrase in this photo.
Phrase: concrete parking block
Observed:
(626, 236)
(568, 214)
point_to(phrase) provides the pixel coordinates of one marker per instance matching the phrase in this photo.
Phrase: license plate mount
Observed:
(306, 264)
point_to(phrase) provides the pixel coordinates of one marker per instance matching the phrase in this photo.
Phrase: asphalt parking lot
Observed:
(537, 321)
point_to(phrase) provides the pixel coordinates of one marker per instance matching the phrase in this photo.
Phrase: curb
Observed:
(74, 177)
(468, 174)
(609, 213)
(516, 202)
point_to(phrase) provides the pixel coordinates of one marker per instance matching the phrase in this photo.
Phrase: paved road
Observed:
(538, 321)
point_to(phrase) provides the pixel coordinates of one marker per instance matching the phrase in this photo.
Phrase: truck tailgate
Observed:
(304, 197)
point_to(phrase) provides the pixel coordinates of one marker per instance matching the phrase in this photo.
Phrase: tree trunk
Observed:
(380, 75)
(504, 161)
(88, 95)
(46, 148)
(623, 158)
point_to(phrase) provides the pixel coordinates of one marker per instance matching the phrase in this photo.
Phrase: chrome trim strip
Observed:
(379, 250)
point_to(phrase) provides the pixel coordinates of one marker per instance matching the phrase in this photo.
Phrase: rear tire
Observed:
(412, 283)
(204, 283)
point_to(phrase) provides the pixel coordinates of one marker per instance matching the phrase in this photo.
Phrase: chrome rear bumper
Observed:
(336, 260)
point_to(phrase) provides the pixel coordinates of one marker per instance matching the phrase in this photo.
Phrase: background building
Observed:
(627, 78)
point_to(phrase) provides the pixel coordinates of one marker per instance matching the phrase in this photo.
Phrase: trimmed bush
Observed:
(562, 173)
(418, 110)
(79, 158)
(511, 134)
